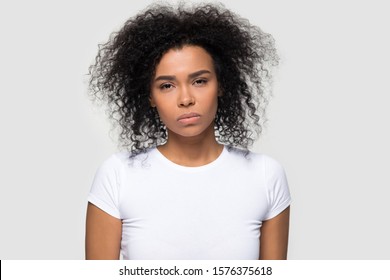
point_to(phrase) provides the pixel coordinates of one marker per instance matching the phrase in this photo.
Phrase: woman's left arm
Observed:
(274, 237)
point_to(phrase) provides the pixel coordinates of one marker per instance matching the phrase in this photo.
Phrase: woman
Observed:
(187, 87)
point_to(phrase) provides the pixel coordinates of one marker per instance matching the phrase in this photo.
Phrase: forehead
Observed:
(185, 59)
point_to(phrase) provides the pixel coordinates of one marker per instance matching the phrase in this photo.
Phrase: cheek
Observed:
(159, 104)
(164, 114)
(213, 102)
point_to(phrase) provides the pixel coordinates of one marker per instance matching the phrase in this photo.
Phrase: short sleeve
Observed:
(104, 192)
(278, 192)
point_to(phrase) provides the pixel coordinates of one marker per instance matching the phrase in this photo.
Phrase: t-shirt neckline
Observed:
(207, 166)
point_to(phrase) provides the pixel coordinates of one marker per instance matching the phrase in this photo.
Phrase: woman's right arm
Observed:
(103, 235)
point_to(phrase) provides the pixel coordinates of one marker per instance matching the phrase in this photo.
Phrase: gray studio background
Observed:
(328, 122)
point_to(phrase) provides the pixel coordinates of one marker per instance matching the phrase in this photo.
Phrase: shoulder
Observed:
(126, 158)
(117, 164)
(114, 161)
(113, 170)
(258, 160)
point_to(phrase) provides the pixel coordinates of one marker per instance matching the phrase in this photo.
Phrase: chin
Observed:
(188, 132)
(196, 130)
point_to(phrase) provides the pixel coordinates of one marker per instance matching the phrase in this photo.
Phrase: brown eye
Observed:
(166, 86)
(200, 82)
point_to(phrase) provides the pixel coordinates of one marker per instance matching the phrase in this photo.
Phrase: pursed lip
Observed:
(188, 116)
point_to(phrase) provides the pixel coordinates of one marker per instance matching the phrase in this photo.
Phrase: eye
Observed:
(166, 86)
(200, 82)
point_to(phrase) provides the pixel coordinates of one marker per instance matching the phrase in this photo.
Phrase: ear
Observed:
(151, 101)
(220, 93)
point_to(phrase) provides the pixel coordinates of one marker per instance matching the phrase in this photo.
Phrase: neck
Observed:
(192, 151)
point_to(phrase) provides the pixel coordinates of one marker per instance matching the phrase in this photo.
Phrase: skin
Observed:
(103, 235)
(274, 237)
(185, 82)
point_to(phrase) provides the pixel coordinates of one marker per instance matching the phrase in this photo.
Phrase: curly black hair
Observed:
(243, 56)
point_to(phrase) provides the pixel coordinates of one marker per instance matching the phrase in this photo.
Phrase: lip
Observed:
(188, 118)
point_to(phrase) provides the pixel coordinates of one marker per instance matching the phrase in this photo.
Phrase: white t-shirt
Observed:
(170, 211)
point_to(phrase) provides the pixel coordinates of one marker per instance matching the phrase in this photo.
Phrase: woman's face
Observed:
(185, 91)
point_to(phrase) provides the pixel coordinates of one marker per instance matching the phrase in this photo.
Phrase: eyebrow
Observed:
(190, 76)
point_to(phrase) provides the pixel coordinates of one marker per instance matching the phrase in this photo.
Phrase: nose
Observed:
(185, 98)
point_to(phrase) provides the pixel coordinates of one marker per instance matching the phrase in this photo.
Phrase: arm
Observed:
(103, 235)
(274, 237)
